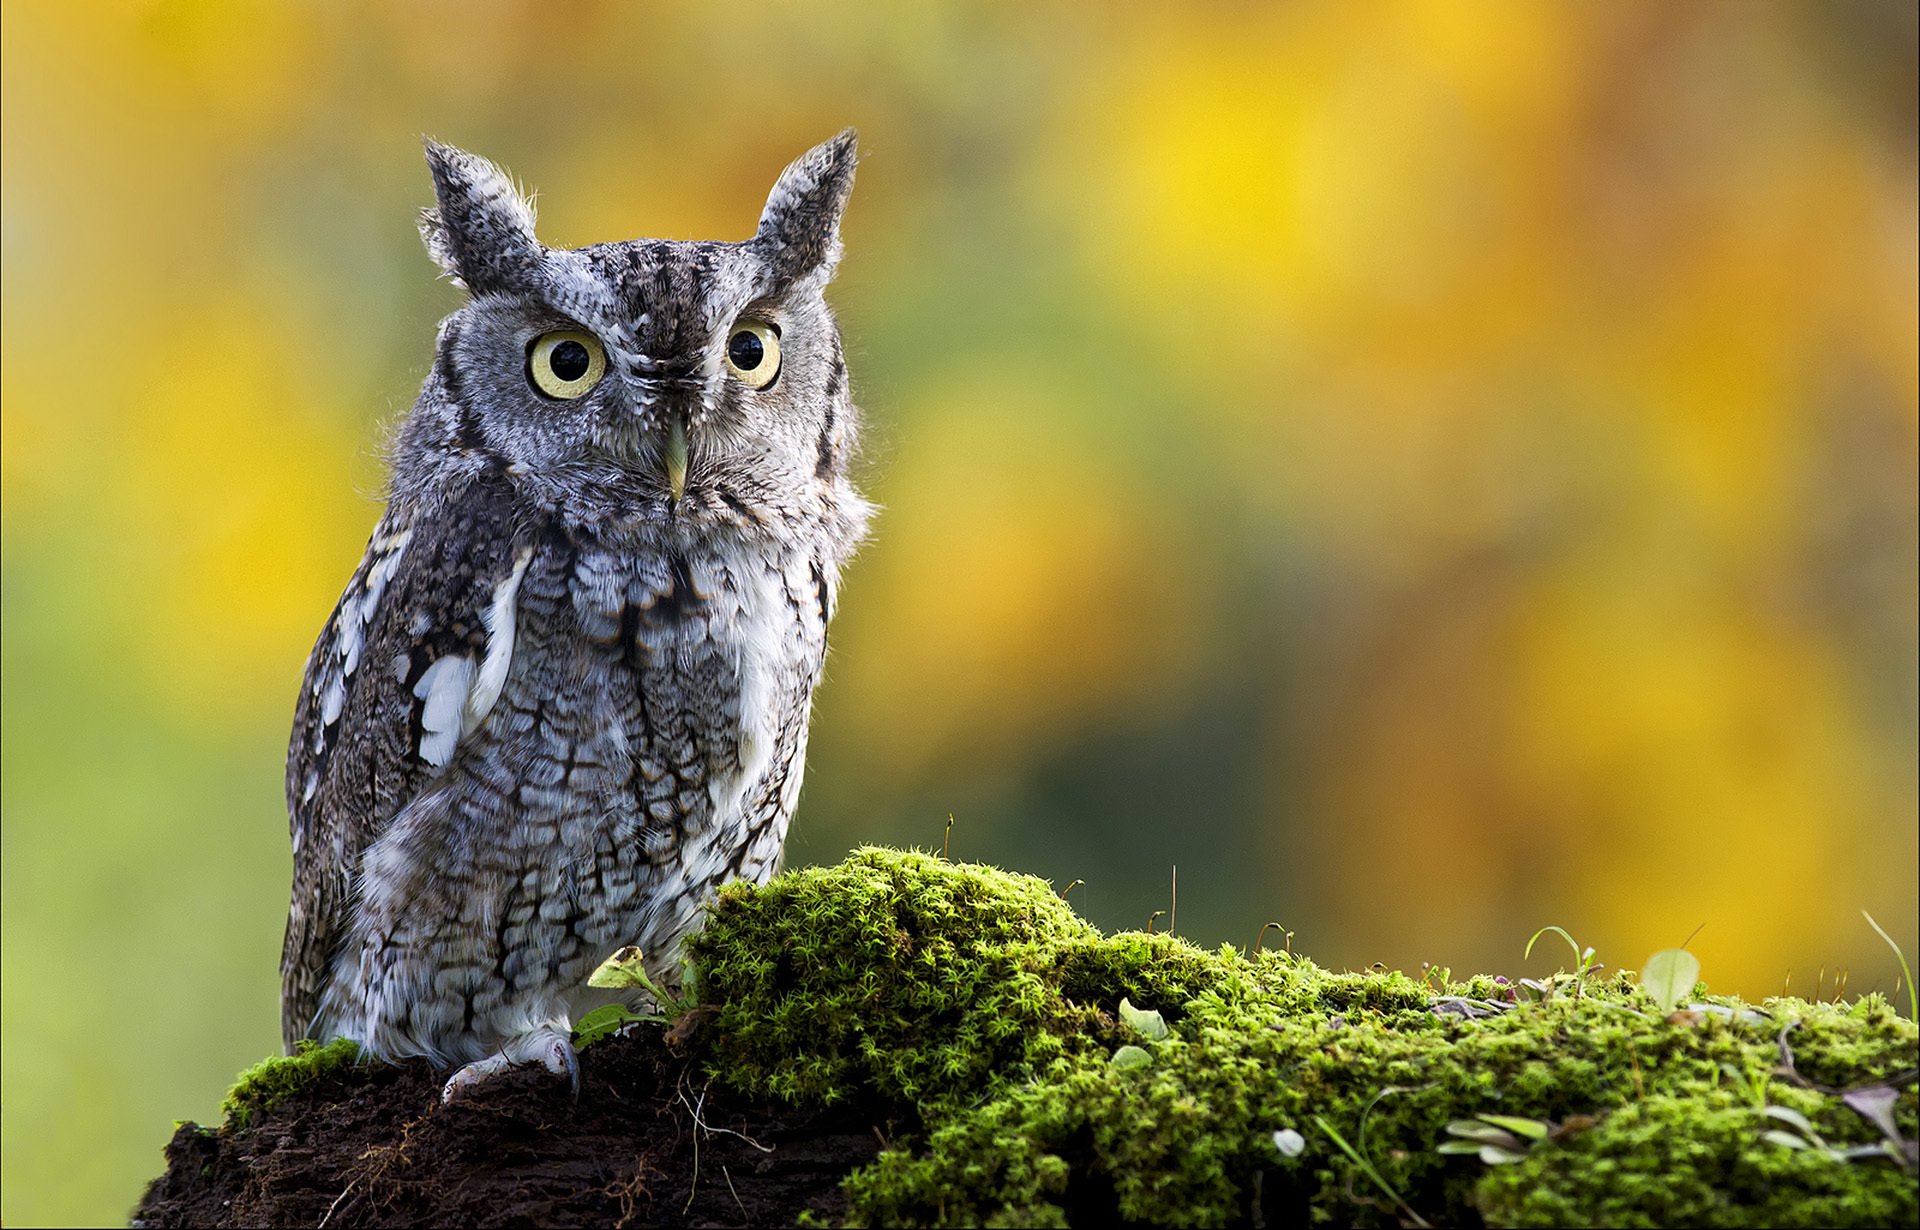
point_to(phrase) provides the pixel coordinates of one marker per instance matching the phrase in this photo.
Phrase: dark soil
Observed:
(645, 1144)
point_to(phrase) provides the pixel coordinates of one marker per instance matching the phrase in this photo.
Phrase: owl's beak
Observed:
(675, 454)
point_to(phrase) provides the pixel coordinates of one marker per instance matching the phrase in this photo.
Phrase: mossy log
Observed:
(900, 1040)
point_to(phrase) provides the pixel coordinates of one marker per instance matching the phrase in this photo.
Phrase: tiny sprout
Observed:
(1913, 1001)
(1285, 935)
(1584, 964)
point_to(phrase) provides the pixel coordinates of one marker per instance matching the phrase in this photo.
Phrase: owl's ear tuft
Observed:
(481, 232)
(800, 227)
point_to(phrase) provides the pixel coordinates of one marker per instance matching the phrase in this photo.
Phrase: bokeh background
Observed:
(1426, 471)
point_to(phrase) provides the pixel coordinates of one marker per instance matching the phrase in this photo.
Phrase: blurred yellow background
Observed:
(1427, 470)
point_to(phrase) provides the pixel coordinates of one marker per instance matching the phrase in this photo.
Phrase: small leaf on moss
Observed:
(1532, 1129)
(1669, 976)
(1788, 1115)
(1131, 1057)
(1147, 1023)
(1482, 1133)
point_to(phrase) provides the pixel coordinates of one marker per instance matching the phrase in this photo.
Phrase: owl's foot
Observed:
(552, 1049)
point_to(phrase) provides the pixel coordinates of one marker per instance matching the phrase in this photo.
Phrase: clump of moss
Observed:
(976, 1004)
(276, 1079)
(896, 974)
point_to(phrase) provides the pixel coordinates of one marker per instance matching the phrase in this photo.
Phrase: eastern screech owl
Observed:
(565, 695)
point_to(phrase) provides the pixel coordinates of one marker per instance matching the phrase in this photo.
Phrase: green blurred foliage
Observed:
(1425, 469)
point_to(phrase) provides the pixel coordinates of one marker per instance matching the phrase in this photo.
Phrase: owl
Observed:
(565, 695)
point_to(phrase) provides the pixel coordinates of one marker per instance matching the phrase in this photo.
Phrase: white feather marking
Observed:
(357, 616)
(437, 748)
(444, 688)
(352, 640)
(493, 669)
(377, 578)
(334, 701)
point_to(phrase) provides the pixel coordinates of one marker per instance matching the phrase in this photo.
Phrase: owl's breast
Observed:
(658, 690)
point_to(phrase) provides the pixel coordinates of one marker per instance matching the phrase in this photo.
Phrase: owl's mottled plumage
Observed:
(565, 695)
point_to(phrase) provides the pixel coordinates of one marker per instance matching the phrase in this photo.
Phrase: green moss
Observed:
(894, 974)
(978, 1010)
(274, 1080)
(1690, 1161)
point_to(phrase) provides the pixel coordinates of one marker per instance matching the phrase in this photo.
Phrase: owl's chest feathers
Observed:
(649, 695)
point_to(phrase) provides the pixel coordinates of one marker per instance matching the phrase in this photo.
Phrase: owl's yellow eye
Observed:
(566, 363)
(753, 352)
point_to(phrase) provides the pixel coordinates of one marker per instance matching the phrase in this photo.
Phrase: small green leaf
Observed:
(1792, 1117)
(1786, 1140)
(1148, 1024)
(1669, 976)
(1289, 1142)
(624, 969)
(1131, 1057)
(1484, 1134)
(1494, 1156)
(604, 1022)
(1532, 1129)
(1458, 1146)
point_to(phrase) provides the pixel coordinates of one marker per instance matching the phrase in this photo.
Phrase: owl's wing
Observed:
(410, 663)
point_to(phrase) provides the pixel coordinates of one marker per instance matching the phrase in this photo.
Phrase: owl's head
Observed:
(632, 384)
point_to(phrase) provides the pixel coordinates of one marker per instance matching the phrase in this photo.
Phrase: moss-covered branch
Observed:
(975, 1020)
(980, 999)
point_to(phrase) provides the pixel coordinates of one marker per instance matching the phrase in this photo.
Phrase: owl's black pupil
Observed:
(569, 360)
(745, 350)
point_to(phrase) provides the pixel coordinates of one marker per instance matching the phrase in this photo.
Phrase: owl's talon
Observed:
(550, 1048)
